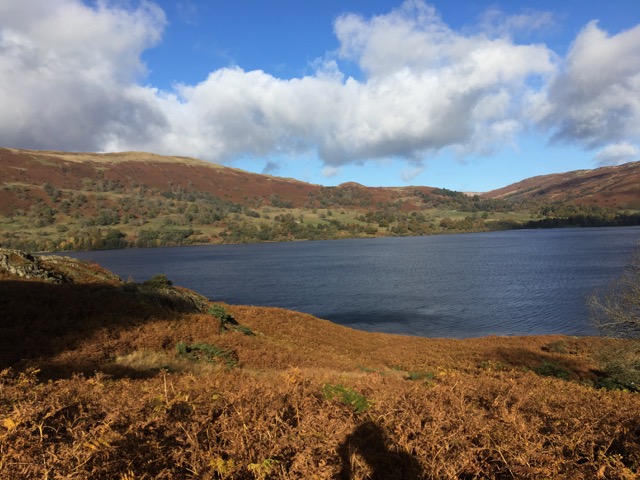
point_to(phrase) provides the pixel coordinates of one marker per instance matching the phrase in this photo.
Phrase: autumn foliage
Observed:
(93, 386)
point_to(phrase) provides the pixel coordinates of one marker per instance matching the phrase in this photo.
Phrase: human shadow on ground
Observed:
(370, 443)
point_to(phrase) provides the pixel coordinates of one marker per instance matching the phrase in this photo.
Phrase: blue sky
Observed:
(464, 95)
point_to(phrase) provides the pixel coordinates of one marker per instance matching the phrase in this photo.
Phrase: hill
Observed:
(52, 201)
(105, 379)
(617, 187)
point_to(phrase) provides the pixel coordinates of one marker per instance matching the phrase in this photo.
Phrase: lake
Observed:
(519, 282)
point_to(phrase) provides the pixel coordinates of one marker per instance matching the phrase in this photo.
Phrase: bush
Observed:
(615, 311)
(228, 321)
(221, 314)
(159, 281)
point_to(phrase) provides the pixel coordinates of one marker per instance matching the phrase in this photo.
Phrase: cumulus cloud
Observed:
(617, 154)
(68, 74)
(594, 99)
(71, 77)
(425, 88)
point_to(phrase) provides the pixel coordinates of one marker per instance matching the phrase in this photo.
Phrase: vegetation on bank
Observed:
(107, 214)
(615, 311)
(106, 379)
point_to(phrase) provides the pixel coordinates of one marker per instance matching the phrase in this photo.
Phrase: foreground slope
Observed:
(105, 379)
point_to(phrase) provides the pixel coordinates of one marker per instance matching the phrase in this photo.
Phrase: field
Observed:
(105, 379)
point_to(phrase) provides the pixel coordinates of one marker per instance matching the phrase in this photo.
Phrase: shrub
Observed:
(620, 368)
(159, 281)
(227, 321)
(615, 311)
(221, 313)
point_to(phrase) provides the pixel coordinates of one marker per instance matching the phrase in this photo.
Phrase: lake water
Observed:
(501, 283)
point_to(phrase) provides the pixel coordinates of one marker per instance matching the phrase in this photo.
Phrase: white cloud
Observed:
(595, 99)
(71, 77)
(617, 154)
(427, 88)
(68, 74)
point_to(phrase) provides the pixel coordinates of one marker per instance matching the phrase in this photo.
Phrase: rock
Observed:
(24, 265)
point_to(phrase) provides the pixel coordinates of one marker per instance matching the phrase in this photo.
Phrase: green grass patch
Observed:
(347, 396)
(421, 376)
(556, 347)
(208, 353)
(551, 369)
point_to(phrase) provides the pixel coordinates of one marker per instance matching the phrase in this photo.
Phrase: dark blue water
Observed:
(500, 283)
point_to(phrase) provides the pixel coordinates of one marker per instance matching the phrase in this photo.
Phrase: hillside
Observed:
(165, 384)
(52, 201)
(617, 187)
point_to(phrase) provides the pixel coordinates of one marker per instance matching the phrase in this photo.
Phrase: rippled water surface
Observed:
(500, 283)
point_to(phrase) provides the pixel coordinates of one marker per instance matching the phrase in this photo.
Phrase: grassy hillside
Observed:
(104, 379)
(76, 201)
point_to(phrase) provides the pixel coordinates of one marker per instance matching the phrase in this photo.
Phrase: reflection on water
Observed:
(500, 283)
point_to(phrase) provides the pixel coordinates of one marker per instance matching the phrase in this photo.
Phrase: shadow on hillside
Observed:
(39, 320)
(563, 366)
(370, 442)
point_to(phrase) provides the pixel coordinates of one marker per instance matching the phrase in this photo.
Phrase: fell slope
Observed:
(94, 387)
(68, 171)
(53, 201)
(617, 187)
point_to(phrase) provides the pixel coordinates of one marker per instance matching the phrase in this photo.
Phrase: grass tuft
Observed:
(208, 353)
(346, 395)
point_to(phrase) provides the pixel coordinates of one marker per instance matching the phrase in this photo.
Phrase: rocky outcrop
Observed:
(15, 264)
(19, 264)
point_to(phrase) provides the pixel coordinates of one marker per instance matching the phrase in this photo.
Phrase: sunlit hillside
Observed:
(52, 201)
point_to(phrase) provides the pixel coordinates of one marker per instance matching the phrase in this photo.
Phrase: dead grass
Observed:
(113, 400)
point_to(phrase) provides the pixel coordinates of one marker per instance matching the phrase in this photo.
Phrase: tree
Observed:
(615, 310)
